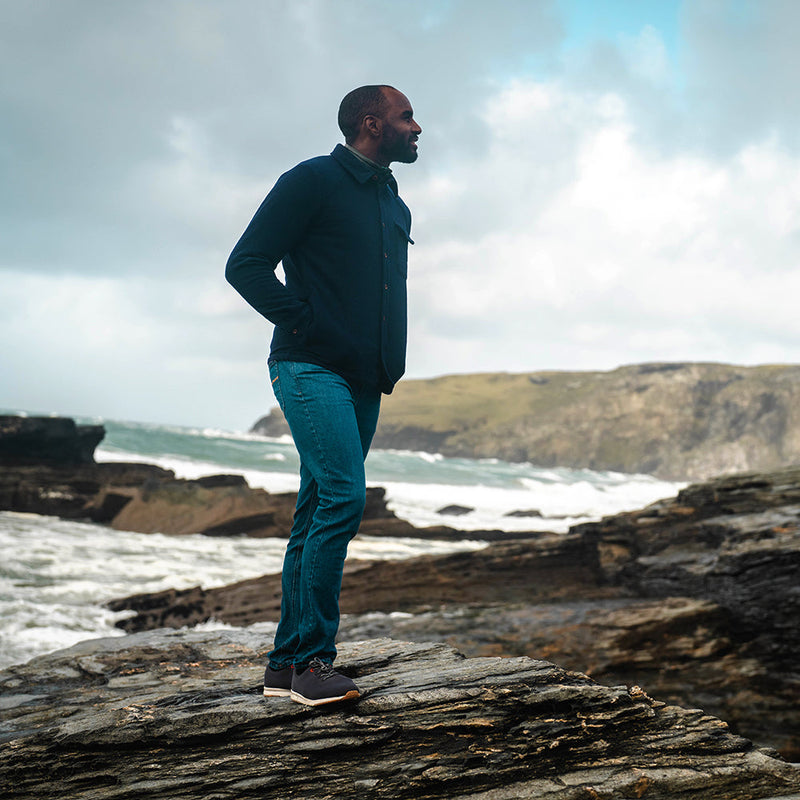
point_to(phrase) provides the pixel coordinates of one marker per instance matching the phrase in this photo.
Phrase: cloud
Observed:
(742, 58)
(128, 348)
(149, 132)
(625, 198)
(608, 248)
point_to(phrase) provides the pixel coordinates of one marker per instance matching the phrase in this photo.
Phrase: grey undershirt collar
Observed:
(368, 161)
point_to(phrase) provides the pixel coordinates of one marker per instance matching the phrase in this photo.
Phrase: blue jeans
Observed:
(332, 425)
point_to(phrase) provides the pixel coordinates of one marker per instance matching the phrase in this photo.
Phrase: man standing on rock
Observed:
(342, 232)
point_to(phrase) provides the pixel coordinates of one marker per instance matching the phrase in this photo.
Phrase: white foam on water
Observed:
(180, 430)
(418, 484)
(563, 497)
(191, 469)
(56, 574)
(560, 504)
(422, 455)
(390, 547)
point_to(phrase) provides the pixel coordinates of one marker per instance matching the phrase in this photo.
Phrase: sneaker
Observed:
(278, 682)
(320, 683)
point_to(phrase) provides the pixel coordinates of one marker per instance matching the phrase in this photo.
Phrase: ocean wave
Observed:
(191, 469)
(57, 574)
(160, 429)
(422, 455)
(418, 483)
(560, 505)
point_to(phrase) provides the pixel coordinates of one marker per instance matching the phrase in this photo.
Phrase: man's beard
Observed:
(399, 149)
(409, 155)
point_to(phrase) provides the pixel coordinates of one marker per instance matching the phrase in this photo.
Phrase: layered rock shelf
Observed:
(164, 716)
(696, 598)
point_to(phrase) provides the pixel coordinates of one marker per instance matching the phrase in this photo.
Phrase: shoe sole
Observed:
(269, 692)
(353, 694)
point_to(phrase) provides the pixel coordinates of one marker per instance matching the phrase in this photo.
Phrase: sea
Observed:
(56, 575)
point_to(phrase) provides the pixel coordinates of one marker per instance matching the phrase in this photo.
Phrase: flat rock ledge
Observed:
(179, 714)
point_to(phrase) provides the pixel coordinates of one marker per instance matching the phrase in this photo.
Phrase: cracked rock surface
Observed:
(179, 714)
(695, 598)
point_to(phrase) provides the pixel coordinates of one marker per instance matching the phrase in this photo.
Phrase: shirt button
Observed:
(386, 286)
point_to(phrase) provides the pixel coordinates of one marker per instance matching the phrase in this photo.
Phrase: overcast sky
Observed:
(600, 182)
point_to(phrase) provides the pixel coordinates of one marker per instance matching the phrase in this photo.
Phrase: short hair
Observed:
(358, 104)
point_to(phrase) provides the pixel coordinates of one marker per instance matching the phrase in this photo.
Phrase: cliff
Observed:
(180, 715)
(675, 421)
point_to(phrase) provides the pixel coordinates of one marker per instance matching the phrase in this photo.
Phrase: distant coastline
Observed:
(675, 421)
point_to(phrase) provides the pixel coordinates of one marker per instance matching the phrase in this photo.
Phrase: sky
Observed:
(599, 183)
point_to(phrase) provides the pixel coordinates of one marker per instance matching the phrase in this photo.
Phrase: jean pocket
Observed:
(276, 383)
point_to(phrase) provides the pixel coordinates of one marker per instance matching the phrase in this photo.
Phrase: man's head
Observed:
(378, 121)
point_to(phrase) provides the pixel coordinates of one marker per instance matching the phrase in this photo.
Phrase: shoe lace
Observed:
(322, 669)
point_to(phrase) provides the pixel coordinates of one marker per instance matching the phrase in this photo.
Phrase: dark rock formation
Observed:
(455, 510)
(148, 499)
(676, 421)
(529, 512)
(47, 440)
(49, 468)
(694, 598)
(96, 492)
(555, 567)
(180, 715)
(272, 424)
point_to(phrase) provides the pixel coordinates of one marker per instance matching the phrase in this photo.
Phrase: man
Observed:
(342, 232)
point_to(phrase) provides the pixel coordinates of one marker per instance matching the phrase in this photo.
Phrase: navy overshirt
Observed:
(342, 233)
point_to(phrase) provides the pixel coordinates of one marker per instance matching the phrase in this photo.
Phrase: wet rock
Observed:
(180, 715)
(455, 511)
(47, 440)
(549, 568)
(96, 492)
(272, 425)
(148, 499)
(215, 505)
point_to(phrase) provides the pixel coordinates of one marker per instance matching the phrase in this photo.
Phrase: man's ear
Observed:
(373, 125)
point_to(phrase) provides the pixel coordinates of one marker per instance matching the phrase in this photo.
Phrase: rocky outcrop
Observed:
(38, 477)
(97, 492)
(180, 715)
(47, 440)
(148, 499)
(549, 568)
(676, 421)
(694, 598)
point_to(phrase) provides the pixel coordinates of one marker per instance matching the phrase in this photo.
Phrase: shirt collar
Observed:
(363, 169)
(358, 154)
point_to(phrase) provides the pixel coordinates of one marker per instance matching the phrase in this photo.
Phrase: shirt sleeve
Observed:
(277, 227)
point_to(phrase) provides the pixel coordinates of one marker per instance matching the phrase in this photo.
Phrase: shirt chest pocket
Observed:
(400, 242)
